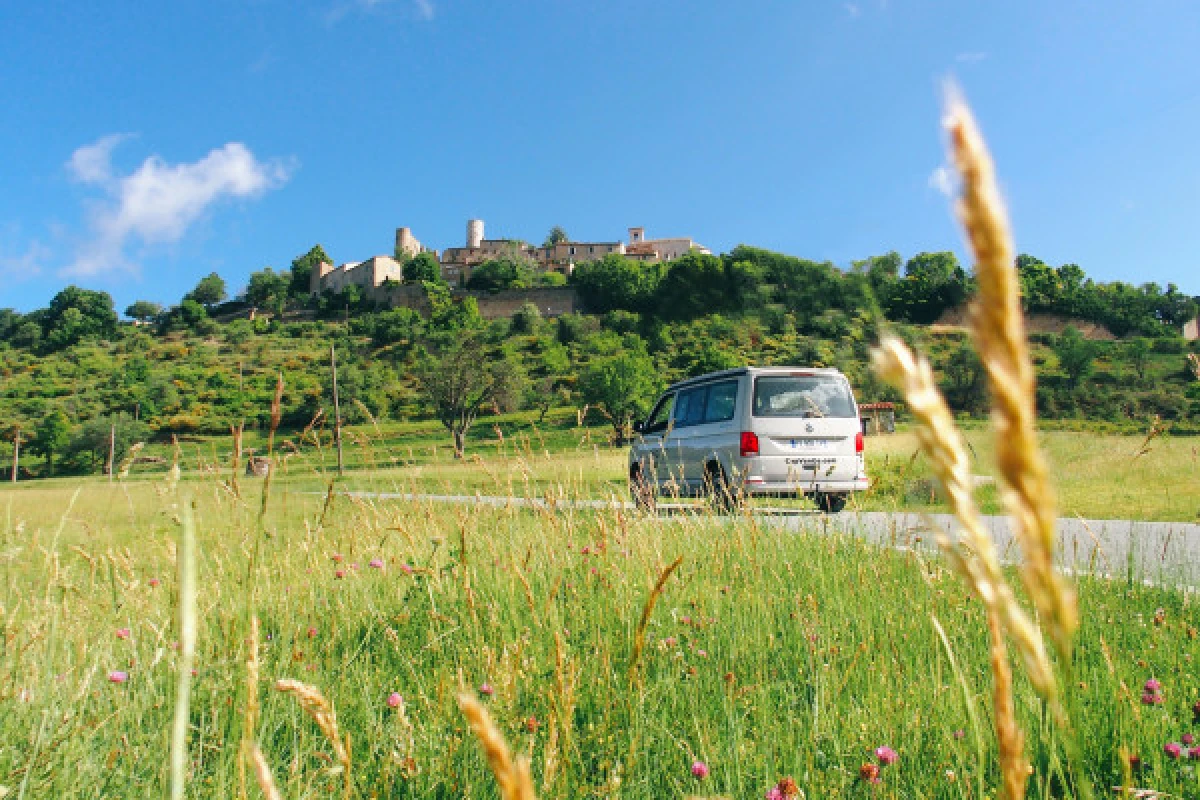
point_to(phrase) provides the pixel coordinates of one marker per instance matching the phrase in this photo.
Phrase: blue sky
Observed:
(146, 144)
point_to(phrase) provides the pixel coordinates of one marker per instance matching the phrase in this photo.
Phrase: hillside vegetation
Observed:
(73, 374)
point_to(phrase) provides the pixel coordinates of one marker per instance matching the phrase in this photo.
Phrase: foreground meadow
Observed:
(768, 654)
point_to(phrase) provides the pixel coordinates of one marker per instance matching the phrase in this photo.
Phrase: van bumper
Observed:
(754, 485)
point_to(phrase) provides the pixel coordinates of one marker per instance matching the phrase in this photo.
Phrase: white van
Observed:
(753, 430)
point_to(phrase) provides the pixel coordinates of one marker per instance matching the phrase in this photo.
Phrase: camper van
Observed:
(751, 431)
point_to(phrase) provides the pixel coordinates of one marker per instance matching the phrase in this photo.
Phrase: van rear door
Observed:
(807, 426)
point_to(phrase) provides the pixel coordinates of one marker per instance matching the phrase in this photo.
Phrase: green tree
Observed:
(209, 291)
(462, 378)
(89, 444)
(525, 319)
(302, 269)
(556, 236)
(143, 310)
(423, 267)
(616, 283)
(1137, 352)
(1076, 355)
(447, 313)
(622, 386)
(51, 437)
(76, 314)
(501, 273)
(268, 289)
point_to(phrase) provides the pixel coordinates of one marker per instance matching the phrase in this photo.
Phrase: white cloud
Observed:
(158, 202)
(942, 179)
(424, 9)
(852, 9)
(24, 265)
(93, 163)
(971, 57)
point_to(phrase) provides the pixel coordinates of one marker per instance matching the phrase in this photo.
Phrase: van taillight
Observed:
(749, 443)
(859, 445)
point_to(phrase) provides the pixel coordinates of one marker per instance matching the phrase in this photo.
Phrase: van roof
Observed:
(754, 371)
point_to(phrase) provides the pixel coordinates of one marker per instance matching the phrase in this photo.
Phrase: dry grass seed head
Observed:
(999, 331)
(514, 778)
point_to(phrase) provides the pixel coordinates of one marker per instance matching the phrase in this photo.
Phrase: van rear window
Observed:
(802, 396)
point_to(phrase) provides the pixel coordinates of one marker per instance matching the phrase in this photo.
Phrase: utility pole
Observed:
(16, 453)
(337, 409)
(112, 448)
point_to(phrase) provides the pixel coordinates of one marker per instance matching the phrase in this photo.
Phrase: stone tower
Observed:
(474, 232)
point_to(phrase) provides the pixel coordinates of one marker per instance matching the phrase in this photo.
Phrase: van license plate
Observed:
(808, 463)
(811, 444)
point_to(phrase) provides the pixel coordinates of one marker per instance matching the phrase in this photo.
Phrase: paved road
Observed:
(1163, 552)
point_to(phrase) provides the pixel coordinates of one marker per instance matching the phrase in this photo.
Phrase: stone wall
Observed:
(551, 301)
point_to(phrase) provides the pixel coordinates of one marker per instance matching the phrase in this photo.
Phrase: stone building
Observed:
(369, 275)
(668, 249)
(458, 262)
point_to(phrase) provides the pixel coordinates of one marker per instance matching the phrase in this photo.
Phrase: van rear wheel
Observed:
(830, 503)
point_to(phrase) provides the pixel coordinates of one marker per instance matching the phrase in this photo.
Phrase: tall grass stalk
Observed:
(187, 648)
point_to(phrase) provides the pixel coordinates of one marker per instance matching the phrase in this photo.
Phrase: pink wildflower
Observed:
(700, 770)
(312, 632)
(1194, 754)
(1152, 686)
(774, 793)
(1173, 749)
(376, 563)
(339, 574)
(1152, 699)
(117, 676)
(337, 557)
(960, 734)
(886, 755)
(486, 689)
(1187, 739)
(406, 569)
(153, 582)
(394, 700)
(122, 633)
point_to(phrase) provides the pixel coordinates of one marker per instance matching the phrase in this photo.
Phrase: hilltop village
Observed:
(378, 274)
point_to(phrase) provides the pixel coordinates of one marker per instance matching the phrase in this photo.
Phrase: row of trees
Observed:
(917, 291)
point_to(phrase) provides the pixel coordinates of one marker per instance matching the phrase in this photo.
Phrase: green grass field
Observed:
(1099, 475)
(763, 658)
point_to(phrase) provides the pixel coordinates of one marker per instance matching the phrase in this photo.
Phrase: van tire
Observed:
(830, 503)
(641, 491)
(724, 497)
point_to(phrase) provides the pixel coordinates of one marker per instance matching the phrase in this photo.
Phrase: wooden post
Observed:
(16, 454)
(112, 447)
(337, 409)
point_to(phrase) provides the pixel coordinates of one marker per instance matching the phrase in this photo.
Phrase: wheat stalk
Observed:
(316, 706)
(513, 777)
(999, 331)
(1014, 769)
(250, 718)
(187, 648)
(262, 773)
(973, 554)
(639, 638)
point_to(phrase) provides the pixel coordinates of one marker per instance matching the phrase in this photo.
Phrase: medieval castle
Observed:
(379, 275)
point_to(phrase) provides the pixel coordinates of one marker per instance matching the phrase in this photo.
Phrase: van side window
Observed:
(660, 416)
(722, 400)
(689, 408)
